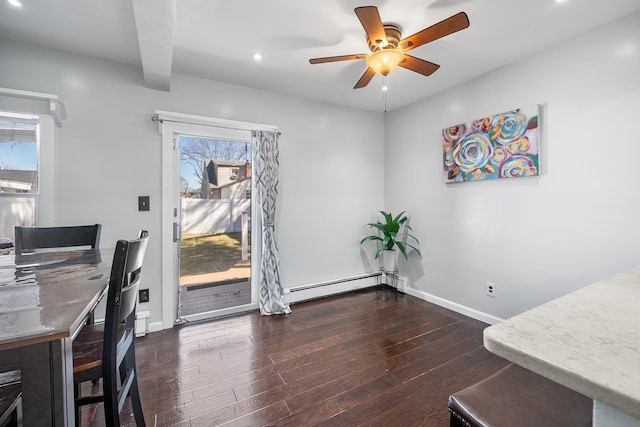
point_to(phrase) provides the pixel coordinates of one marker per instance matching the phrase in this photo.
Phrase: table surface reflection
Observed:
(46, 296)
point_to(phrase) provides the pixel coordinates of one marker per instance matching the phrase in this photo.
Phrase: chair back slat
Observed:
(30, 238)
(128, 300)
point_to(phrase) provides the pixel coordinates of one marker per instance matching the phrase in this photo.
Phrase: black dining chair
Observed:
(6, 245)
(107, 351)
(10, 399)
(31, 238)
(27, 239)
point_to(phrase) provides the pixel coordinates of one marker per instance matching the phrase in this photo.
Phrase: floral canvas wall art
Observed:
(502, 146)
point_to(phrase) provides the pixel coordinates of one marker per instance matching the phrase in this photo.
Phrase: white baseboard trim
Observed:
(155, 326)
(151, 327)
(320, 290)
(454, 306)
(310, 291)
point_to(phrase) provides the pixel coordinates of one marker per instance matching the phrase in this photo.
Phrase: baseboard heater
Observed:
(331, 287)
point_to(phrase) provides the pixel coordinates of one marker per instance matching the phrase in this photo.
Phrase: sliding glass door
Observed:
(210, 227)
(215, 225)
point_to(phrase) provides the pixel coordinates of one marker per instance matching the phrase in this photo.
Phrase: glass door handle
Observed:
(176, 231)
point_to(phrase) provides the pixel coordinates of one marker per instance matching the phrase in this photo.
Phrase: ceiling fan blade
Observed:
(372, 24)
(418, 65)
(454, 23)
(365, 79)
(338, 58)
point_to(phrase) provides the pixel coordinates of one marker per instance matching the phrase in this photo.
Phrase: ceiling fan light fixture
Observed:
(385, 61)
(389, 48)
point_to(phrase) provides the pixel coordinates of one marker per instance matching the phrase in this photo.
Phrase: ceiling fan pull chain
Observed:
(385, 89)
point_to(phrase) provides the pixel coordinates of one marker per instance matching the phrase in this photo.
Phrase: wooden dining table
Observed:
(45, 299)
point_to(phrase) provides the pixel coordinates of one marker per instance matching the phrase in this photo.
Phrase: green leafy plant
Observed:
(389, 230)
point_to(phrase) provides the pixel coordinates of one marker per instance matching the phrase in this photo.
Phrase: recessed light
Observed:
(15, 3)
(257, 56)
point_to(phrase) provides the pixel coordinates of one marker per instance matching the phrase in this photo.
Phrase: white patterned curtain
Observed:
(265, 144)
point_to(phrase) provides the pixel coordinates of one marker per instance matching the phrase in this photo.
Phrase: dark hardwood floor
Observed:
(370, 358)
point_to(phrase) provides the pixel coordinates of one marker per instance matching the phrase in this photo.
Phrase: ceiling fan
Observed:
(388, 50)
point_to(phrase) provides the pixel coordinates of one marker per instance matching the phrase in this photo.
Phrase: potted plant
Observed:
(390, 236)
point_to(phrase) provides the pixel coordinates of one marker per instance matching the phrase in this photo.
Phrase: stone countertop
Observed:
(588, 340)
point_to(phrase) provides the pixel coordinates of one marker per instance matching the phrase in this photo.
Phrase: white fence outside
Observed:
(16, 211)
(213, 215)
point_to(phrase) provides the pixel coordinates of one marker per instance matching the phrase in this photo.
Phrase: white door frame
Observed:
(171, 126)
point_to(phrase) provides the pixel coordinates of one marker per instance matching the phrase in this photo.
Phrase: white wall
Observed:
(536, 238)
(540, 237)
(108, 153)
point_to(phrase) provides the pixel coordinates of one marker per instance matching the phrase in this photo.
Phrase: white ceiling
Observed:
(215, 39)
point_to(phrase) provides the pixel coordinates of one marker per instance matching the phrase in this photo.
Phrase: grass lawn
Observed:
(209, 253)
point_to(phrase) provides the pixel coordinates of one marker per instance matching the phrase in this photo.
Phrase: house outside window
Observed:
(225, 179)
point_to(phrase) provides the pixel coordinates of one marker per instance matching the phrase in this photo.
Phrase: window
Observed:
(234, 174)
(19, 172)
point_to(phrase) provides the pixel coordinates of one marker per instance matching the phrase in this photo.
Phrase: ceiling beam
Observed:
(155, 20)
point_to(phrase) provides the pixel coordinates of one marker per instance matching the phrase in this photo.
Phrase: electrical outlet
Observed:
(143, 295)
(491, 289)
(143, 203)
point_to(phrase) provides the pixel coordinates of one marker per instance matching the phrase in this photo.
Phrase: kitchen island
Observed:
(588, 341)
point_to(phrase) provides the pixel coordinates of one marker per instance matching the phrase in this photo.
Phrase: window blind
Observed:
(18, 128)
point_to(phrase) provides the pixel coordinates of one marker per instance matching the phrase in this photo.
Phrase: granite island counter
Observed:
(588, 341)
